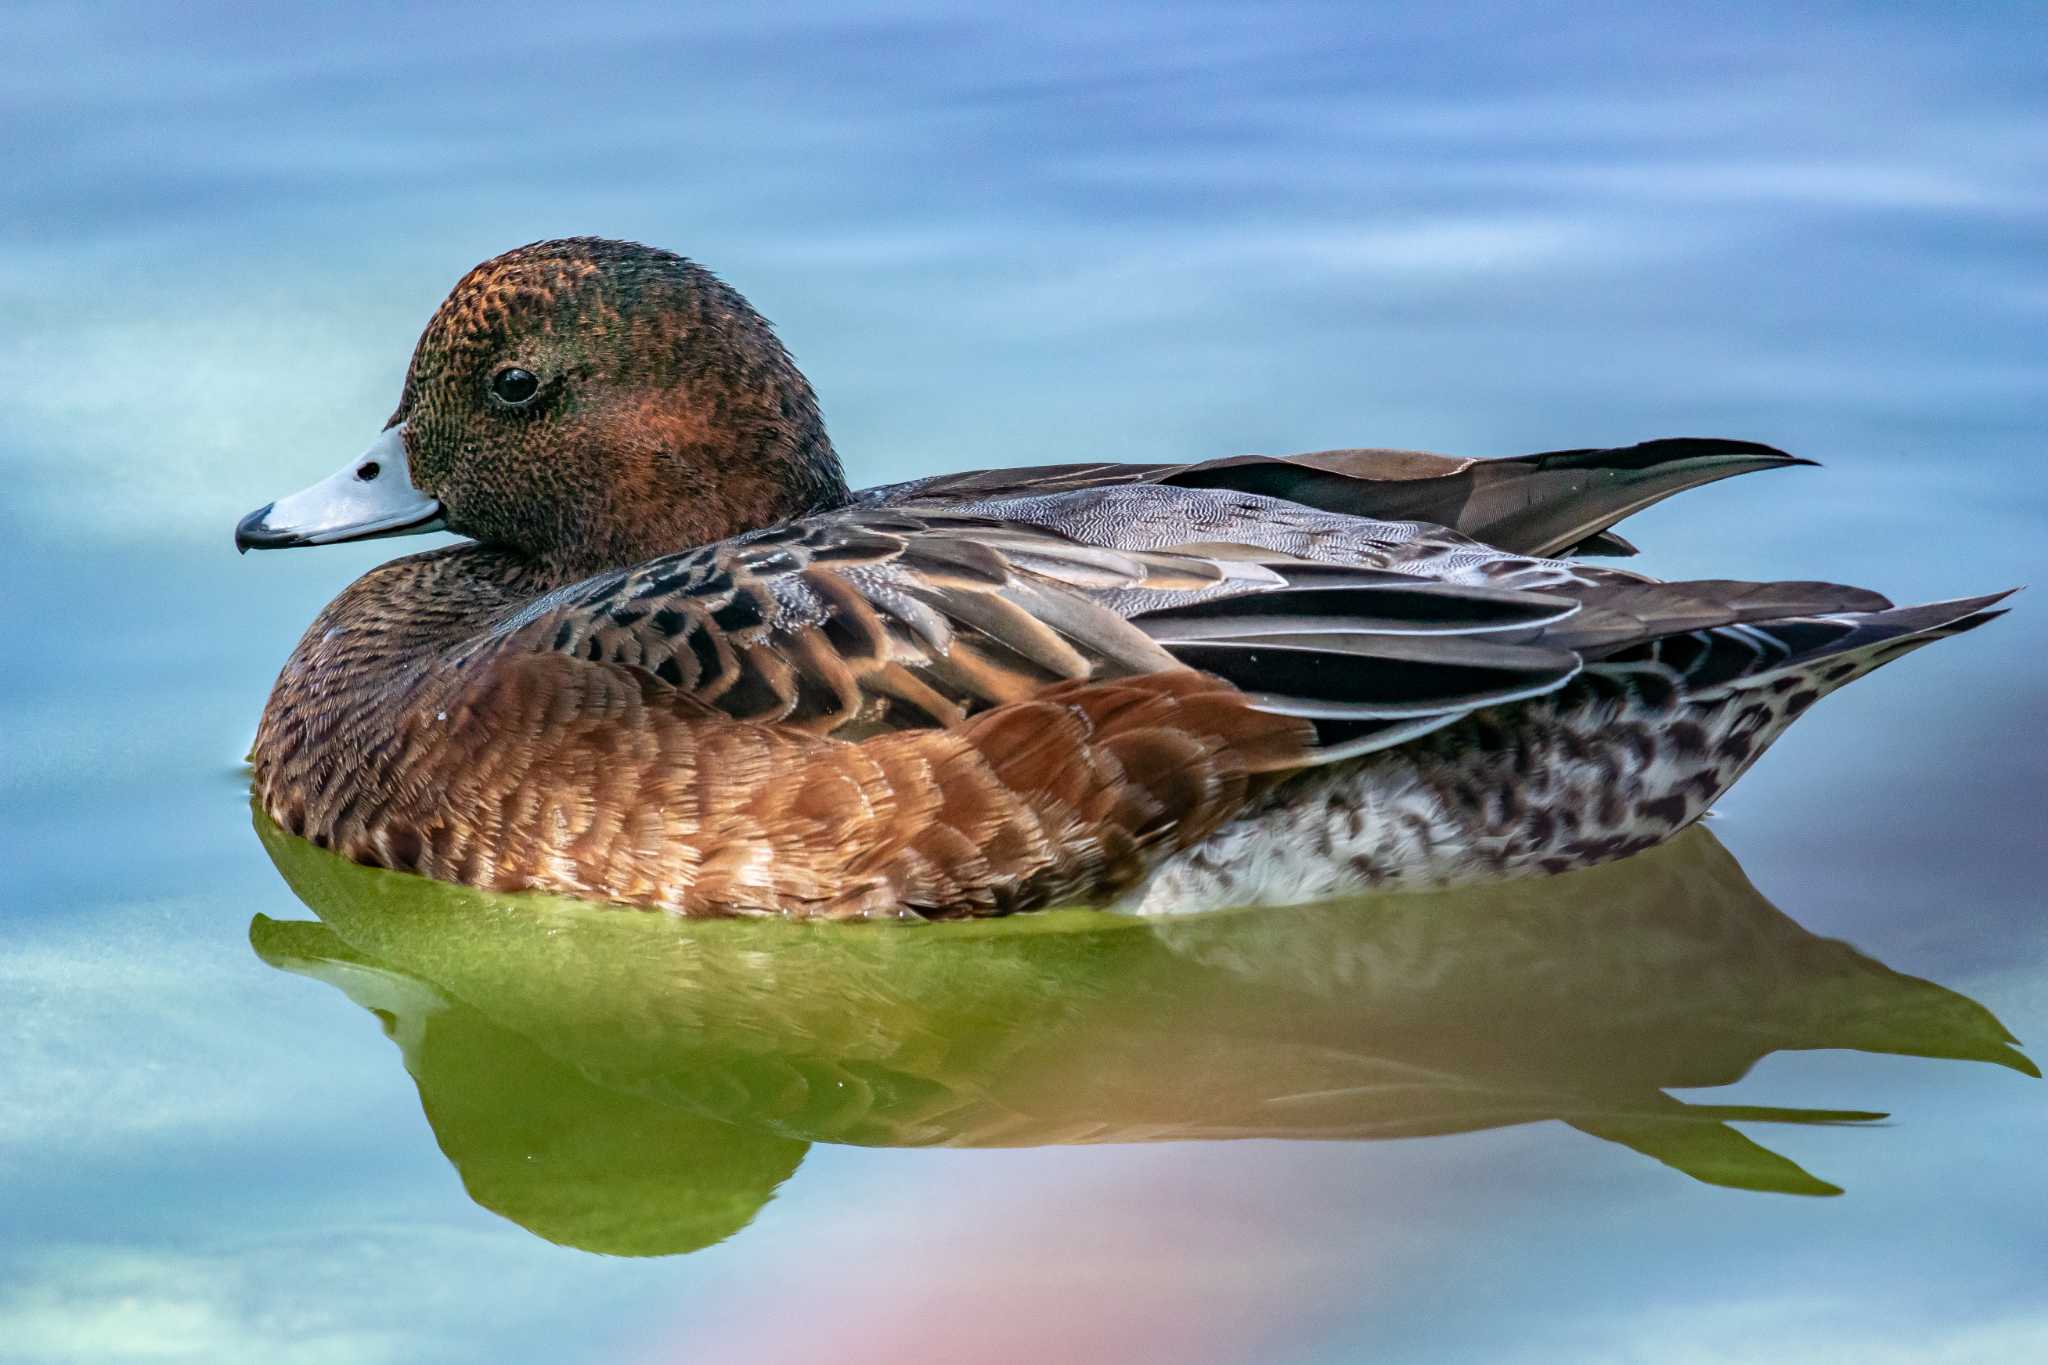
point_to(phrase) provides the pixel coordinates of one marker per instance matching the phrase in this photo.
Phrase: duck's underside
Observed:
(1161, 689)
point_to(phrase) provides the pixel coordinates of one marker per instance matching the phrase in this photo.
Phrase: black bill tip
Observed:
(254, 532)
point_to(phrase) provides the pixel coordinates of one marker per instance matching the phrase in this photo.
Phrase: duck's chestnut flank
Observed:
(681, 666)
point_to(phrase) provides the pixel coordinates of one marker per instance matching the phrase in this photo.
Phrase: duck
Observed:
(677, 663)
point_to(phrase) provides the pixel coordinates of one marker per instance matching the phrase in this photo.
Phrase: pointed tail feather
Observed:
(1837, 650)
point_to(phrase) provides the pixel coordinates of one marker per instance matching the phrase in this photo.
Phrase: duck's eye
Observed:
(514, 385)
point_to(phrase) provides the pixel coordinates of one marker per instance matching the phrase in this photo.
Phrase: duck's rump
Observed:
(1634, 749)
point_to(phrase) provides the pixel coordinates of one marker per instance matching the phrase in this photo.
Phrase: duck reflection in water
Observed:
(638, 1085)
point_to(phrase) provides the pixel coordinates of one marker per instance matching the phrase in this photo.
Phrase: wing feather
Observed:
(864, 621)
(870, 620)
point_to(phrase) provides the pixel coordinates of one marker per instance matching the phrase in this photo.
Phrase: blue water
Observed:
(1104, 231)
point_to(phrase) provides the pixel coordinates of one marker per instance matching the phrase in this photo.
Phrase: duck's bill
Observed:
(372, 495)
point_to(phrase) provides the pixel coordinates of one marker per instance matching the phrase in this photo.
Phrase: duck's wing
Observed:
(864, 621)
(1553, 503)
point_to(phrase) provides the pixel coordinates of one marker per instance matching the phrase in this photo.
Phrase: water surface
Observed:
(1596, 1122)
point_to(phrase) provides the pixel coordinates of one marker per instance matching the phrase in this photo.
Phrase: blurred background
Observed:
(1107, 230)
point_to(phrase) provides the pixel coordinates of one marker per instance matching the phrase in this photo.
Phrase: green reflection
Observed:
(635, 1084)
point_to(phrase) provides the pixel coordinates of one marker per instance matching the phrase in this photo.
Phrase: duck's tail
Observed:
(1814, 654)
(1621, 756)
(1702, 707)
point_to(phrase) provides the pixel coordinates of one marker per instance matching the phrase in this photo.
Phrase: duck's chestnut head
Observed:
(587, 404)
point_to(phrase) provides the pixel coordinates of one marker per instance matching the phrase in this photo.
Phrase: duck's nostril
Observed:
(368, 470)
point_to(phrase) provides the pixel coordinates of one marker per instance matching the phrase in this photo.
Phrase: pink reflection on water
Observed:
(1117, 1254)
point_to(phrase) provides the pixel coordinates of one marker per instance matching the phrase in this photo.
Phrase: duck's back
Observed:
(1561, 502)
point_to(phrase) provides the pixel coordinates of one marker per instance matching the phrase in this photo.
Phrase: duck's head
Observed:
(585, 404)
